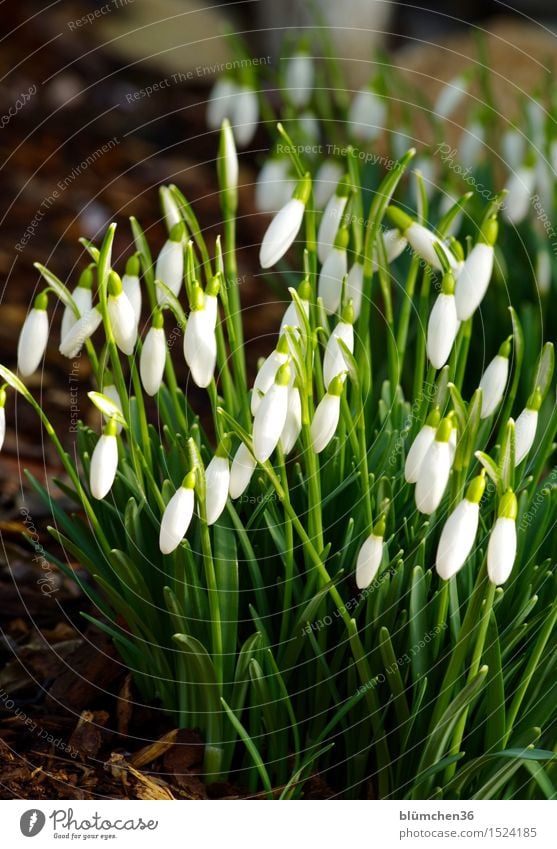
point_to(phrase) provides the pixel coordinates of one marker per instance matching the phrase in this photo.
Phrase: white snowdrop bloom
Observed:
(333, 271)
(217, 483)
(434, 470)
(543, 271)
(526, 426)
(82, 330)
(308, 126)
(270, 417)
(395, 243)
(265, 377)
(366, 115)
(132, 286)
(355, 287)
(331, 220)
(299, 75)
(513, 148)
(293, 424)
(211, 302)
(494, 380)
(228, 168)
(285, 225)
(333, 360)
(326, 416)
(200, 344)
(169, 267)
(177, 516)
(219, 105)
(451, 96)
(109, 389)
(274, 185)
(420, 446)
(82, 296)
(476, 272)
(243, 467)
(520, 187)
(421, 239)
(459, 532)
(501, 549)
(245, 115)
(326, 181)
(104, 462)
(370, 556)
(170, 208)
(33, 337)
(443, 324)
(2, 417)
(471, 145)
(121, 315)
(291, 317)
(153, 356)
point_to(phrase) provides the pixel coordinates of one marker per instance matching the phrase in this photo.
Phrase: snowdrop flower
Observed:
(132, 286)
(227, 167)
(243, 467)
(291, 317)
(270, 417)
(219, 105)
(308, 126)
(475, 274)
(82, 330)
(451, 96)
(501, 549)
(217, 482)
(443, 324)
(153, 356)
(512, 147)
(200, 344)
(293, 424)
(332, 219)
(333, 361)
(355, 287)
(245, 115)
(520, 187)
(326, 416)
(434, 470)
(526, 426)
(169, 268)
(298, 79)
(170, 208)
(394, 243)
(459, 531)
(284, 227)
(494, 380)
(274, 185)
(211, 301)
(177, 516)
(109, 389)
(104, 462)
(543, 271)
(2, 416)
(366, 115)
(420, 447)
(325, 182)
(265, 377)
(33, 337)
(121, 315)
(370, 556)
(82, 298)
(421, 239)
(471, 145)
(333, 272)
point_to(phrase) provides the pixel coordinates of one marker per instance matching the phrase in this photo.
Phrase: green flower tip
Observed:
(197, 298)
(433, 418)
(490, 229)
(505, 349)
(476, 489)
(336, 385)
(114, 284)
(303, 189)
(535, 400)
(444, 430)
(214, 285)
(108, 380)
(282, 345)
(344, 187)
(177, 232)
(283, 375)
(132, 266)
(41, 301)
(379, 527)
(86, 278)
(448, 284)
(348, 312)
(456, 249)
(342, 238)
(400, 219)
(2, 397)
(158, 320)
(224, 446)
(508, 506)
(304, 290)
(110, 428)
(189, 480)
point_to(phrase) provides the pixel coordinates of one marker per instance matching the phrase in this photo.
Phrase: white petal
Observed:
(104, 464)
(200, 348)
(369, 561)
(330, 280)
(419, 448)
(266, 377)
(211, 303)
(333, 361)
(325, 422)
(170, 268)
(441, 330)
(170, 208)
(281, 232)
(245, 115)
(217, 481)
(354, 287)
(291, 318)
(243, 467)
(395, 243)
(293, 423)
(325, 182)
(512, 146)
(422, 241)
(501, 551)
(473, 280)
(112, 393)
(433, 477)
(492, 384)
(457, 539)
(71, 345)
(219, 105)
(231, 167)
(450, 96)
(152, 360)
(122, 321)
(132, 288)
(269, 421)
(520, 188)
(366, 115)
(176, 519)
(328, 227)
(525, 433)
(83, 299)
(298, 79)
(2, 426)
(32, 342)
(274, 185)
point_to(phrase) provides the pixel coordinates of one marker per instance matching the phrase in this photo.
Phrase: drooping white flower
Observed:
(420, 446)
(526, 426)
(494, 380)
(326, 416)
(121, 315)
(520, 187)
(265, 377)
(219, 105)
(293, 424)
(421, 240)
(434, 470)
(217, 483)
(355, 287)
(299, 74)
(228, 168)
(367, 114)
(451, 96)
(211, 301)
(243, 467)
(245, 114)
(474, 276)
(169, 268)
(284, 227)
(333, 360)
(82, 330)
(443, 324)
(370, 556)
(104, 462)
(109, 389)
(132, 286)
(270, 417)
(153, 356)
(501, 549)
(83, 299)
(307, 125)
(33, 337)
(512, 148)
(177, 516)
(200, 344)
(459, 531)
(332, 220)
(326, 181)
(471, 145)
(333, 272)
(170, 208)
(291, 317)
(395, 243)
(274, 185)
(2, 416)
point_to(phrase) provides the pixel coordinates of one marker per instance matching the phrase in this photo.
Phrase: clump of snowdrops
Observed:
(353, 573)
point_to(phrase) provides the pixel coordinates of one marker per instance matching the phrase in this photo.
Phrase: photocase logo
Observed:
(32, 822)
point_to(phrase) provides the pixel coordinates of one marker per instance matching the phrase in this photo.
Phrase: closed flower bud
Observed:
(169, 268)
(293, 424)
(33, 337)
(266, 375)
(520, 187)
(501, 550)
(325, 182)
(526, 426)
(200, 345)
(443, 325)
(370, 556)
(170, 210)
(83, 329)
(284, 227)
(298, 79)
(83, 299)
(121, 315)
(434, 470)
(333, 361)
(132, 286)
(270, 417)
(153, 357)
(245, 115)
(274, 185)
(332, 274)
(475, 274)
(494, 380)
(458, 534)
(420, 447)
(326, 416)
(291, 317)
(421, 240)
(217, 483)
(355, 287)
(104, 462)
(332, 219)
(177, 516)
(227, 166)
(243, 467)
(366, 115)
